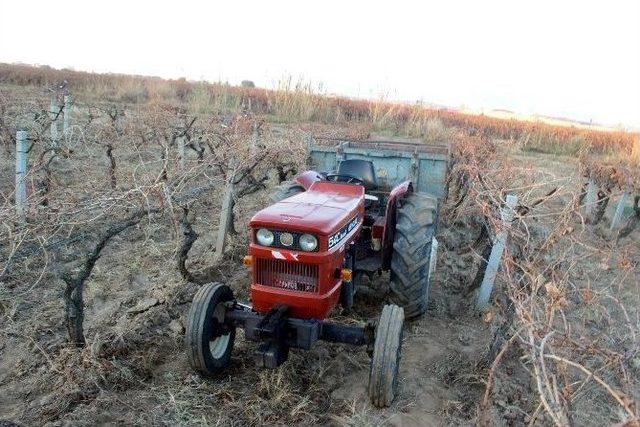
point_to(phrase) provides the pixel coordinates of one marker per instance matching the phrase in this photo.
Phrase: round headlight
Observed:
(264, 237)
(286, 239)
(308, 242)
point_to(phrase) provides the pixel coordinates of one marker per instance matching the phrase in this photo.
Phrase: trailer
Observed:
(395, 160)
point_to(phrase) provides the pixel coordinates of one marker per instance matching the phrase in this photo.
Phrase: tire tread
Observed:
(415, 228)
(199, 313)
(383, 377)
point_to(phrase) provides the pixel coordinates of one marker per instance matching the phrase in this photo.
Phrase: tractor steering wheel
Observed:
(349, 179)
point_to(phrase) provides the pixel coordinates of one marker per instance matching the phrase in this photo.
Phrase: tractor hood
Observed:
(324, 208)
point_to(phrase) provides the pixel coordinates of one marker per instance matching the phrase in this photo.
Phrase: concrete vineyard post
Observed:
(180, 142)
(340, 154)
(433, 258)
(68, 110)
(53, 112)
(21, 172)
(617, 216)
(591, 198)
(499, 244)
(226, 215)
(415, 166)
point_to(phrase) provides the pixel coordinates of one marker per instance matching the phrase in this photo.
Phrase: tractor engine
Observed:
(298, 248)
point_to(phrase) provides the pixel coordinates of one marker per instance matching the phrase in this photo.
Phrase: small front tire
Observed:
(383, 376)
(209, 339)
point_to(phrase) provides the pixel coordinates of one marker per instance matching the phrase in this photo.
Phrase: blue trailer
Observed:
(395, 160)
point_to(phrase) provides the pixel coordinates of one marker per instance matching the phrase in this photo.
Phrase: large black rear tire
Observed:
(387, 351)
(286, 190)
(415, 228)
(209, 351)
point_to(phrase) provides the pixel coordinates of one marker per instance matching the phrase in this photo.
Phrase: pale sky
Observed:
(578, 59)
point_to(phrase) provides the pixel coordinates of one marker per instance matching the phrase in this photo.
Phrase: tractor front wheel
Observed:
(209, 338)
(383, 376)
(415, 228)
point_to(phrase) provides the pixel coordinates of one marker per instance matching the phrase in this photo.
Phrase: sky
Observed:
(575, 59)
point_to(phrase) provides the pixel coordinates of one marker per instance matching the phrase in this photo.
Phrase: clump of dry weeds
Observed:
(566, 343)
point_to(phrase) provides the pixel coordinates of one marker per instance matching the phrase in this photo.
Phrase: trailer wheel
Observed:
(209, 340)
(286, 190)
(383, 376)
(415, 228)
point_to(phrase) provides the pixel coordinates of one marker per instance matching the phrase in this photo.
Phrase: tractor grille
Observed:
(294, 276)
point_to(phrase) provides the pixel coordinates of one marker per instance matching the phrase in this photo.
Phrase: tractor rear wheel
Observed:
(415, 228)
(286, 190)
(383, 376)
(209, 339)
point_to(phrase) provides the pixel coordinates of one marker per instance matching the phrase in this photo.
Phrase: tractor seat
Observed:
(361, 169)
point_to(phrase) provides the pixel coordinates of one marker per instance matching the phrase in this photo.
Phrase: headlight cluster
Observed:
(305, 242)
(308, 242)
(265, 237)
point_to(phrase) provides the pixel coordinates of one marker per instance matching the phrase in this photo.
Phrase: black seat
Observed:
(361, 169)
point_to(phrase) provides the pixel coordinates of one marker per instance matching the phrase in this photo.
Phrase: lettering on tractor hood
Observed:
(344, 232)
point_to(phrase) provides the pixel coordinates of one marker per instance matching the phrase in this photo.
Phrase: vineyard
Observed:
(121, 223)
(297, 101)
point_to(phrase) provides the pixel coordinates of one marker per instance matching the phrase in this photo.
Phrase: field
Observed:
(120, 228)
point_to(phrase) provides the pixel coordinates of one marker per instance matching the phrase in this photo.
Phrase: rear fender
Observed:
(307, 178)
(388, 235)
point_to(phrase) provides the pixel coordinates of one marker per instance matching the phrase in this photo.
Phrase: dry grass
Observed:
(79, 193)
(301, 101)
(564, 318)
(634, 158)
(565, 311)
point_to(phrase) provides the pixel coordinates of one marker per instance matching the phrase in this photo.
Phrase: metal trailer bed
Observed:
(394, 160)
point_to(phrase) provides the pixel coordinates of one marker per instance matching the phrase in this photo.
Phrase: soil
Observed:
(134, 371)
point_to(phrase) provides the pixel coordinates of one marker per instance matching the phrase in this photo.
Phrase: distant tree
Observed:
(247, 83)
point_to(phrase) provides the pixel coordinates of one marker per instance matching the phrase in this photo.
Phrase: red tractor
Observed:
(307, 253)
